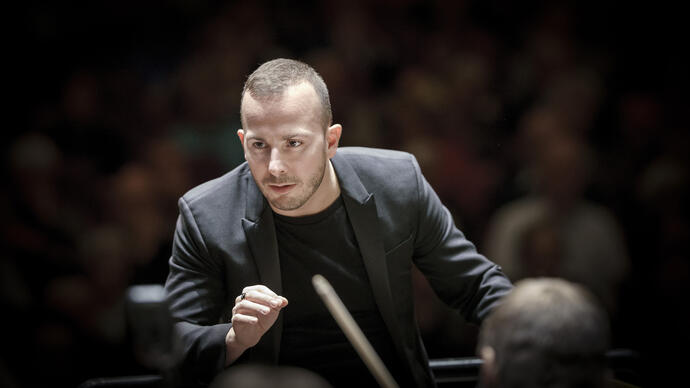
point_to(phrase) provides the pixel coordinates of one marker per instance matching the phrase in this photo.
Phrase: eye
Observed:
(294, 143)
(259, 145)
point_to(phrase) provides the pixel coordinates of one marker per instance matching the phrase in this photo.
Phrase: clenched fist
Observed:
(255, 311)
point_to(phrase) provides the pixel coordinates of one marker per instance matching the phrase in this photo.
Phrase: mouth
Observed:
(281, 189)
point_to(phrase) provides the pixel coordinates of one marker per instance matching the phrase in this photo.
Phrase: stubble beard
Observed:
(288, 202)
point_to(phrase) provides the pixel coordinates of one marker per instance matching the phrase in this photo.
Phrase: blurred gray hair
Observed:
(548, 332)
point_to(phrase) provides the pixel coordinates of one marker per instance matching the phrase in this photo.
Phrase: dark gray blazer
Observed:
(225, 240)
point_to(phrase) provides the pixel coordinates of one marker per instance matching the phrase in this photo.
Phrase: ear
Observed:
(488, 369)
(240, 134)
(332, 138)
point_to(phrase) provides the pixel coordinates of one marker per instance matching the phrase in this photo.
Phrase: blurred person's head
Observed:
(82, 98)
(577, 95)
(550, 41)
(206, 84)
(132, 191)
(330, 68)
(132, 202)
(264, 376)
(536, 129)
(546, 333)
(168, 163)
(423, 90)
(35, 164)
(103, 252)
(561, 170)
(470, 75)
(541, 248)
(641, 120)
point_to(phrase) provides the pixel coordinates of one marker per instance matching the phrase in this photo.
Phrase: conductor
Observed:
(249, 241)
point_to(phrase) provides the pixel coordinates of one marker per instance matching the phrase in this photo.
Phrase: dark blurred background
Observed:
(556, 132)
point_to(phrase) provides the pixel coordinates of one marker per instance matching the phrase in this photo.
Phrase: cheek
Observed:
(313, 165)
(256, 166)
(256, 158)
(308, 161)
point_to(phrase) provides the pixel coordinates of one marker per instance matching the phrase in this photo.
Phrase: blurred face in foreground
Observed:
(288, 150)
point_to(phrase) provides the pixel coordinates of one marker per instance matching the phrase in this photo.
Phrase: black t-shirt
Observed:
(324, 243)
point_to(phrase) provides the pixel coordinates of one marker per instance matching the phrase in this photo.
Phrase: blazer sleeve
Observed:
(196, 297)
(460, 276)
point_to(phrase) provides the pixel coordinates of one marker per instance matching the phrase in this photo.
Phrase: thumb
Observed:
(284, 302)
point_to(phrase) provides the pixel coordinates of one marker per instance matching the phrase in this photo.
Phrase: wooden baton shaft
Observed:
(353, 333)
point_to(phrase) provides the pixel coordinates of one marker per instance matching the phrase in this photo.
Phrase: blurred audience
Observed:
(555, 231)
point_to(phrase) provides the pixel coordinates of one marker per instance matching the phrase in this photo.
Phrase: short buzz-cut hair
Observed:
(270, 80)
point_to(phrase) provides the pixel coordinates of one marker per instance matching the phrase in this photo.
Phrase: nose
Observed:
(276, 166)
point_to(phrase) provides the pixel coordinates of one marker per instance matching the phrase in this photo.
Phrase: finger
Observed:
(260, 297)
(284, 301)
(241, 318)
(260, 288)
(248, 307)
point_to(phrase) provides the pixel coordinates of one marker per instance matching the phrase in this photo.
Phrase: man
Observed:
(251, 240)
(548, 332)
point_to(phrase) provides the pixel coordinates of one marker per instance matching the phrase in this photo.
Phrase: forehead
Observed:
(298, 103)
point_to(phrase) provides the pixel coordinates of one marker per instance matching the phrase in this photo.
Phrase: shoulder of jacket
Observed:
(380, 171)
(377, 153)
(378, 161)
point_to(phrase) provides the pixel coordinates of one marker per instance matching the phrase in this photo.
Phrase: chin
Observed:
(286, 204)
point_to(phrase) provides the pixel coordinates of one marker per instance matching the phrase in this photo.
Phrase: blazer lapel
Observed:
(260, 231)
(361, 210)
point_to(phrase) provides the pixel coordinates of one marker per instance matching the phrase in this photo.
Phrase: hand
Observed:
(252, 316)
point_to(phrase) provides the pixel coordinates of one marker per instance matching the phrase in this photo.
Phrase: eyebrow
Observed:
(294, 135)
(284, 137)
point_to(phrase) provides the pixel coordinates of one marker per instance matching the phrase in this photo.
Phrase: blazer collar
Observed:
(255, 201)
(259, 228)
(350, 184)
(363, 215)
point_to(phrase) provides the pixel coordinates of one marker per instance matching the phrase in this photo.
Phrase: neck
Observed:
(334, 185)
(330, 188)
